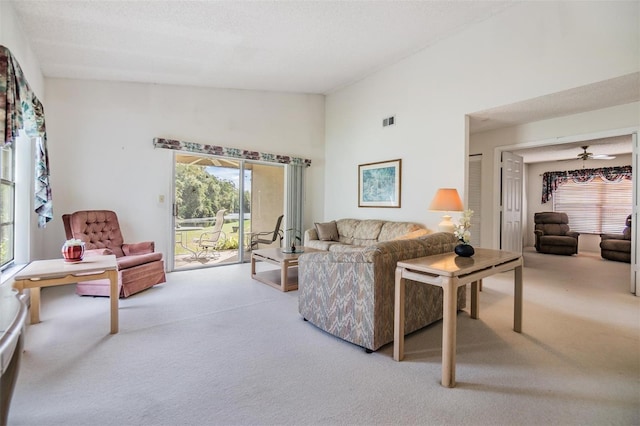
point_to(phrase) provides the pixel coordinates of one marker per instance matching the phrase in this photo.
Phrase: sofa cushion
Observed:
(616, 245)
(327, 231)
(346, 228)
(366, 232)
(321, 245)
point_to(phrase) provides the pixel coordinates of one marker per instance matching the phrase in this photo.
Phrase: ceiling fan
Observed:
(584, 155)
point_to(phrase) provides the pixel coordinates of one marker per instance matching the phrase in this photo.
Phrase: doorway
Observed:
(218, 204)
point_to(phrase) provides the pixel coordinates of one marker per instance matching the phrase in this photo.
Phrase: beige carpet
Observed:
(213, 346)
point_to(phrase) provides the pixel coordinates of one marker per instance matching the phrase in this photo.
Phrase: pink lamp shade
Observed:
(446, 200)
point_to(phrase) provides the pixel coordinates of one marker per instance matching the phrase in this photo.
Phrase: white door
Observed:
(635, 271)
(474, 198)
(511, 197)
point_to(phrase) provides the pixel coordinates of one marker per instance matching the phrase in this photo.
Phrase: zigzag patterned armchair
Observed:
(349, 292)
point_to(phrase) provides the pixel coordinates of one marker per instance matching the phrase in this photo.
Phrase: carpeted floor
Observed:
(213, 347)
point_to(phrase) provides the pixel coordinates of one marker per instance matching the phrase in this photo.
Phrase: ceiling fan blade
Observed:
(603, 157)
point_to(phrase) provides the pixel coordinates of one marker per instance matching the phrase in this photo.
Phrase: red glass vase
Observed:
(73, 253)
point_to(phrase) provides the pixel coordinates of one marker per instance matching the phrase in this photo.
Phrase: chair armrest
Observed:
(210, 236)
(138, 248)
(538, 232)
(612, 237)
(572, 234)
(98, 252)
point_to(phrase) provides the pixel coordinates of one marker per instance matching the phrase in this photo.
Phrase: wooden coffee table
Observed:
(288, 262)
(46, 273)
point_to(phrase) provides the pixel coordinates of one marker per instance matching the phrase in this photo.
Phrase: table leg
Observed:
(398, 317)
(517, 300)
(253, 266)
(449, 333)
(475, 295)
(283, 275)
(35, 305)
(113, 298)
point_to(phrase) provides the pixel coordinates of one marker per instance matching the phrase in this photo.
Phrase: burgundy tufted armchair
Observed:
(139, 267)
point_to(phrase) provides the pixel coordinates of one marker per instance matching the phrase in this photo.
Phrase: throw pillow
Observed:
(327, 231)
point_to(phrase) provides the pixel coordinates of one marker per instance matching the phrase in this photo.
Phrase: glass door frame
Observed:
(244, 235)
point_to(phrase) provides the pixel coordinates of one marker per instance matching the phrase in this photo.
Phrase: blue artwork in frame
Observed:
(379, 184)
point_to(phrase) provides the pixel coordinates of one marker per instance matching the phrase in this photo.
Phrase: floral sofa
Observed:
(348, 291)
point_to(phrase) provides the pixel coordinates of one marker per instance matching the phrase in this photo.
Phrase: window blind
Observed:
(596, 206)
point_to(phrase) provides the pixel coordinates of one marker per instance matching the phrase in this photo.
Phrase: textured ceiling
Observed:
(289, 46)
(612, 146)
(604, 94)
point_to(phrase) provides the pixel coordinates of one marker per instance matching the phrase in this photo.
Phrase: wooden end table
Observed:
(450, 272)
(47, 273)
(278, 279)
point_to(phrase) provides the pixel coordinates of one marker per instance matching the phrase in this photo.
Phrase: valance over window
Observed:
(21, 109)
(229, 152)
(551, 180)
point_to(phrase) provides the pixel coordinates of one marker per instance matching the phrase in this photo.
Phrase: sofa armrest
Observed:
(572, 234)
(538, 233)
(138, 248)
(310, 234)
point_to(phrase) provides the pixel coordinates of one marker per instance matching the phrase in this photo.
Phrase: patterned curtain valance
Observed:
(21, 109)
(229, 152)
(551, 180)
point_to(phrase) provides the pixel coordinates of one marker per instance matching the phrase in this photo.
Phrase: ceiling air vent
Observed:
(389, 121)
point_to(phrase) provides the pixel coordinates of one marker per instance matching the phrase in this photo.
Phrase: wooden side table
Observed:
(450, 272)
(47, 273)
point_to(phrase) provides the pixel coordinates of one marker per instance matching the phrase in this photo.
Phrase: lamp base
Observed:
(447, 224)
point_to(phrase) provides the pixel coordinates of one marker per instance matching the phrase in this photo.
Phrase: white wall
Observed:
(12, 37)
(544, 132)
(512, 57)
(533, 194)
(102, 155)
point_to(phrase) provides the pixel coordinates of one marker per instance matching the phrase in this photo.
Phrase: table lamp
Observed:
(446, 200)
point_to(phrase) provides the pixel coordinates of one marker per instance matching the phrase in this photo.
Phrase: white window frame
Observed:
(8, 180)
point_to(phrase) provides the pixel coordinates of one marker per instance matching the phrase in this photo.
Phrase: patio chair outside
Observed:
(267, 237)
(210, 241)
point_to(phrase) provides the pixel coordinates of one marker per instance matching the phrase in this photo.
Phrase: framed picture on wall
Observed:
(379, 184)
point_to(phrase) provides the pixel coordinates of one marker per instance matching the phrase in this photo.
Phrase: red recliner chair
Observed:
(139, 266)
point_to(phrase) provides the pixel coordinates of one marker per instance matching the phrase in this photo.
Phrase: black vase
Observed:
(464, 250)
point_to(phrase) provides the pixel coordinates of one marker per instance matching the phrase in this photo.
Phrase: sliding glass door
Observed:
(219, 203)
